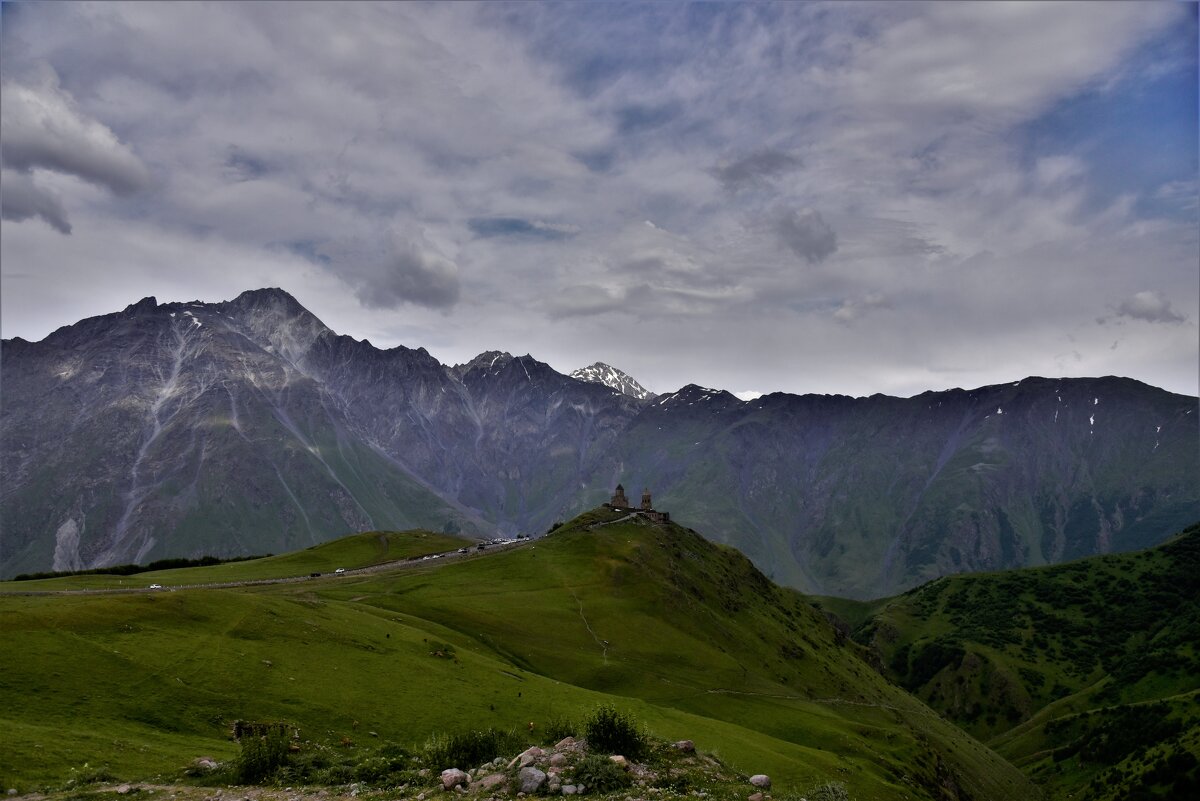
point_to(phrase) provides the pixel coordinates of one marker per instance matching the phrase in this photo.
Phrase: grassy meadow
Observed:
(685, 636)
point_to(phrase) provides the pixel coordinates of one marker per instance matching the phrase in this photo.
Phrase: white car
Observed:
(156, 586)
(340, 570)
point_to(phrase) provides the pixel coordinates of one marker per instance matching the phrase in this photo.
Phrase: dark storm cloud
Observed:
(516, 226)
(415, 274)
(22, 199)
(43, 128)
(754, 169)
(807, 235)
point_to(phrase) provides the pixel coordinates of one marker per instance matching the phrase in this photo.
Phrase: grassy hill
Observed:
(686, 636)
(365, 549)
(1086, 675)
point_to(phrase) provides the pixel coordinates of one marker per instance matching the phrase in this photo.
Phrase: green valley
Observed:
(1085, 675)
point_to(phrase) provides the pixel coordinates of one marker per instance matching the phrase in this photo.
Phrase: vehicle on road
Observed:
(156, 586)
(340, 570)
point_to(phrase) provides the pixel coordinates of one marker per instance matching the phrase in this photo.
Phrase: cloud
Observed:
(42, 127)
(21, 199)
(581, 300)
(416, 273)
(516, 226)
(755, 169)
(853, 309)
(1150, 306)
(809, 236)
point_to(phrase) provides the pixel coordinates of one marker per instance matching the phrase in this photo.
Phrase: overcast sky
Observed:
(848, 198)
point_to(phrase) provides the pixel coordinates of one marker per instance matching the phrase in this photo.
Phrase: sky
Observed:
(834, 198)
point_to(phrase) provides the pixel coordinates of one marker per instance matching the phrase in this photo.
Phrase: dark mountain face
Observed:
(182, 429)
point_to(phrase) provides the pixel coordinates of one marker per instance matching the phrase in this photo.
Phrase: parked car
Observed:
(340, 570)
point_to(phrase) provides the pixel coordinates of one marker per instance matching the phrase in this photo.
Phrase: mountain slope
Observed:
(249, 426)
(862, 496)
(1086, 675)
(601, 373)
(170, 431)
(687, 635)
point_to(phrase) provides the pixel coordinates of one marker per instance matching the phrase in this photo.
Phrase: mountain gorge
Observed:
(246, 426)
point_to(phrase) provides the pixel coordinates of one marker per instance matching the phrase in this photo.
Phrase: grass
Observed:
(357, 550)
(685, 637)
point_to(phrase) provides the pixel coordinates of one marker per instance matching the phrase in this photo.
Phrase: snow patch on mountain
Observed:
(601, 373)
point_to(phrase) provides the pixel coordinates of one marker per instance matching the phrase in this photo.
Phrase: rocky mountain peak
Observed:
(146, 304)
(489, 362)
(609, 376)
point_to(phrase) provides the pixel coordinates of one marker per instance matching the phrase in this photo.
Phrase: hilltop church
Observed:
(620, 503)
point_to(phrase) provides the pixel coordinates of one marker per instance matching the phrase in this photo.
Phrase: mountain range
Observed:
(248, 426)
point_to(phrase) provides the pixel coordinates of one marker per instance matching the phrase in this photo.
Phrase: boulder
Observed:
(530, 780)
(558, 760)
(755, 797)
(453, 776)
(570, 789)
(620, 761)
(527, 757)
(491, 782)
(761, 780)
(686, 746)
(124, 789)
(566, 742)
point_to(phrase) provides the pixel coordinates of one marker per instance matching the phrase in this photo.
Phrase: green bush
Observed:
(559, 728)
(613, 732)
(828, 791)
(469, 749)
(600, 774)
(260, 758)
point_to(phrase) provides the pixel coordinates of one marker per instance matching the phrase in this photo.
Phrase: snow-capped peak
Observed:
(601, 373)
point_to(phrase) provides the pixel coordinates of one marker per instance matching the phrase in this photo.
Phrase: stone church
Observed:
(646, 510)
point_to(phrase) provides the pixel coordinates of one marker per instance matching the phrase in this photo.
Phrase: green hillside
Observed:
(686, 636)
(1085, 675)
(355, 551)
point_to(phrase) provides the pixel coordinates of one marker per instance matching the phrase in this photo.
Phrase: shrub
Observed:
(600, 774)
(613, 732)
(828, 791)
(469, 749)
(558, 728)
(260, 758)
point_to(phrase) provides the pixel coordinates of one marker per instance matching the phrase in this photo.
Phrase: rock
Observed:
(761, 780)
(553, 787)
(453, 776)
(565, 742)
(530, 779)
(498, 762)
(458, 788)
(581, 788)
(558, 760)
(620, 761)
(12, 791)
(686, 746)
(492, 781)
(570, 789)
(420, 797)
(124, 789)
(755, 797)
